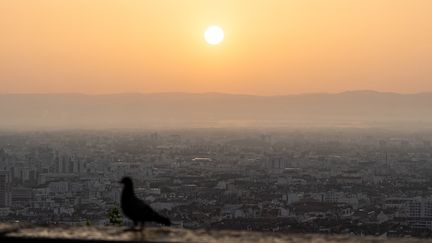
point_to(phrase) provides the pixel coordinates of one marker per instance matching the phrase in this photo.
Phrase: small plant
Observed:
(115, 217)
(88, 222)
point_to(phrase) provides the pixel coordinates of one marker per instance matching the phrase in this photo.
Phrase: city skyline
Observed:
(211, 120)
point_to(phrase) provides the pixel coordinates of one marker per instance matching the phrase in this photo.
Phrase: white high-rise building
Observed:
(418, 213)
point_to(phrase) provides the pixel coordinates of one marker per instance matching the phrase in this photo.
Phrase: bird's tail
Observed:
(163, 220)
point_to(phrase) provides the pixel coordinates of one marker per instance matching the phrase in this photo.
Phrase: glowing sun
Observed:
(214, 35)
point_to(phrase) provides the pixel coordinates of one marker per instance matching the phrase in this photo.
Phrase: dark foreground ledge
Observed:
(35, 234)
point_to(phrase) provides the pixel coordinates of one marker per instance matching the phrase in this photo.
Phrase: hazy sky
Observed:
(270, 47)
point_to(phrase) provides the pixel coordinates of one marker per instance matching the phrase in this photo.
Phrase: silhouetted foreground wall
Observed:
(55, 233)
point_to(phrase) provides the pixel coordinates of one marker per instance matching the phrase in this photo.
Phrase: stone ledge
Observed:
(56, 233)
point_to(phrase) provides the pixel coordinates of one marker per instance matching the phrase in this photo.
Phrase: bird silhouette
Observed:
(137, 210)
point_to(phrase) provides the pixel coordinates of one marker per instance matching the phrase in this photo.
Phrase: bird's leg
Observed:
(135, 224)
(133, 227)
(142, 231)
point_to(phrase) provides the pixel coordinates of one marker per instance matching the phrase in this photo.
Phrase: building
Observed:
(4, 189)
(418, 213)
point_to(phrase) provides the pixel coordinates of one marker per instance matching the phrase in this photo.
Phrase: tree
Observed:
(115, 217)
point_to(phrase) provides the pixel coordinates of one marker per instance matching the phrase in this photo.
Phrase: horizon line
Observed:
(214, 93)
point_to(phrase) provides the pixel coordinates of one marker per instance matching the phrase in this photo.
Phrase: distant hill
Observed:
(211, 109)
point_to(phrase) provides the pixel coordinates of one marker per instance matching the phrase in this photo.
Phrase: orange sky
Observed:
(270, 47)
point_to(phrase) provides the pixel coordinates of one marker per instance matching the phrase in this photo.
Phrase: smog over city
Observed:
(157, 118)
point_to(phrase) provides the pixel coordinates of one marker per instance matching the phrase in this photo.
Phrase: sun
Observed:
(214, 35)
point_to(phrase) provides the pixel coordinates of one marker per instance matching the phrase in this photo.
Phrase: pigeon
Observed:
(137, 210)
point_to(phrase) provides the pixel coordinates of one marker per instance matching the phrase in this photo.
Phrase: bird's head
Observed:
(127, 181)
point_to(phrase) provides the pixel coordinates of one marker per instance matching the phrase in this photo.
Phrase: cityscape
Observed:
(359, 181)
(227, 121)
